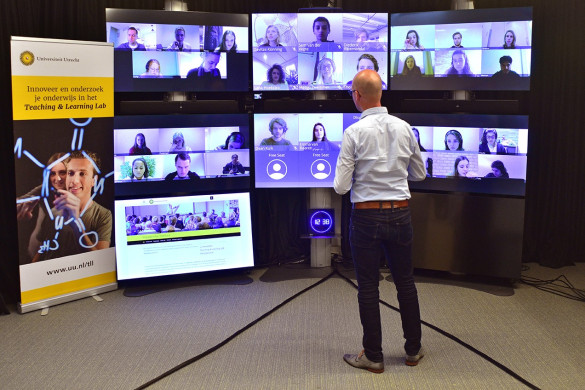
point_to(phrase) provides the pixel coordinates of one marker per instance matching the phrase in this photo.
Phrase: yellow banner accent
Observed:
(67, 287)
(48, 97)
(182, 234)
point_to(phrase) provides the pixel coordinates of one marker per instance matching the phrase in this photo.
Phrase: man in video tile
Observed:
(132, 44)
(457, 37)
(233, 167)
(207, 76)
(505, 72)
(179, 44)
(183, 165)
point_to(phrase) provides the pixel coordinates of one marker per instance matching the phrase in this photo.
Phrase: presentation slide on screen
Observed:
(175, 235)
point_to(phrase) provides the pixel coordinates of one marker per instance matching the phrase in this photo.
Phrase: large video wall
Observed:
(177, 175)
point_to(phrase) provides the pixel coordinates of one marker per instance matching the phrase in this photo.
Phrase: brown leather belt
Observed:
(381, 204)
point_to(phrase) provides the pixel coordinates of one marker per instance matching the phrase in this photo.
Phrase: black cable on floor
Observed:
(334, 272)
(233, 336)
(557, 286)
(457, 340)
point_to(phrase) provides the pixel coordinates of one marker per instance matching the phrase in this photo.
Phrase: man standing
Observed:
(183, 165)
(132, 44)
(87, 225)
(378, 154)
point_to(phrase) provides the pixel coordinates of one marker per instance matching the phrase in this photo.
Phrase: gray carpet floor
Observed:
(125, 342)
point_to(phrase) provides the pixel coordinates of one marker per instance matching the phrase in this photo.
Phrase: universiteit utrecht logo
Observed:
(27, 58)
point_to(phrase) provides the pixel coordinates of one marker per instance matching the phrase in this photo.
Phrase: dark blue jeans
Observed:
(371, 232)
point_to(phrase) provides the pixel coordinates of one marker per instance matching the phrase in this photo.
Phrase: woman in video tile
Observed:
(139, 148)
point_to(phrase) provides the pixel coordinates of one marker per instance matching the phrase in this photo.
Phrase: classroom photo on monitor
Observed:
(182, 234)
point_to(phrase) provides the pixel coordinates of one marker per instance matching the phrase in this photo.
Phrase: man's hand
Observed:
(68, 204)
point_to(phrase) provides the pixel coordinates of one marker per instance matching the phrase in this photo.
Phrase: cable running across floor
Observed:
(288, 300)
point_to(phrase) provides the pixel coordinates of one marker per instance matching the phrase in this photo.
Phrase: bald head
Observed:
(369, 86)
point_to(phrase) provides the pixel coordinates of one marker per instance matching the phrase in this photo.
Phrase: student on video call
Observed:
(228, 42)
(277, 127)
(367, 61)
(459, 65)
(453, 140)
(499, 171)
(152, 69)
(206, 76)
(361, 35)
(412, 41)
(132, 44)
(505, 72)
(410, 69)
(509, 40)
(139, 170)
(183, 165)
(489, 143)
(179, 44)
(272, 37)
(417, 135)
(325, 72)
(275, 78)
(139, 148)
(178, 144)
(95, 228)
(235, 140)
(321, 29)
(320, 140)
(457, 37)
(234, 166)
(461, 168)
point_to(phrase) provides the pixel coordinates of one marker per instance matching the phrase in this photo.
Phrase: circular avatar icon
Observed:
(320, 169)
(276, 169)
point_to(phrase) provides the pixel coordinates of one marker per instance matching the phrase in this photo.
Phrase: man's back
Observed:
(384, 153)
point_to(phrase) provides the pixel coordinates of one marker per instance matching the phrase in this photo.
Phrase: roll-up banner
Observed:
(63, 108)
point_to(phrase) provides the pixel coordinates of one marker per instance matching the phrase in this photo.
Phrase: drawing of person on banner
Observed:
(79, 223)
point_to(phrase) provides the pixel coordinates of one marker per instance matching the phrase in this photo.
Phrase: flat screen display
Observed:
(298, 150)
(484, 49)
(468, 153)
(170, 154)
(182, 234)
(311, 51)
(472, 153)
(161, 51)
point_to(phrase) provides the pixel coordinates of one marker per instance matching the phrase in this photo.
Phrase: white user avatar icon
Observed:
(320, 169)
(276, 169)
